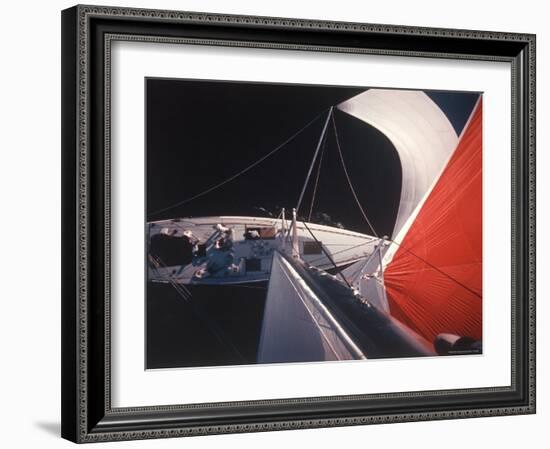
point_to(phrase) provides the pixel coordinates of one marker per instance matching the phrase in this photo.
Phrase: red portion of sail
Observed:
(434, 281)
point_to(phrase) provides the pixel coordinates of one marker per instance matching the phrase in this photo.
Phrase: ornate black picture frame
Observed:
(87, 34)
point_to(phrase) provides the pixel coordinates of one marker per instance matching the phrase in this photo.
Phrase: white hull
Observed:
(251, 259)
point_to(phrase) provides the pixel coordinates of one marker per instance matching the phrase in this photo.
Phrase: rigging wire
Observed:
(348, 178)
(317, 179)
(343, 250)
(327, 254)
(184, 292)
(439, 270)
(372, 228)
(314, 159)
(236, 175)
(409, 251)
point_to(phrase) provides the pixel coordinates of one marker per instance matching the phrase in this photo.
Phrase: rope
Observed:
(437, 269)
(413, 254)
(348, 178)
(327, 254)
(182, 290)
(236, 175)
(372, 228)
(342, 251)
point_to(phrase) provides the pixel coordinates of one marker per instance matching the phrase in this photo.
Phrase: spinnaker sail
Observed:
(420, 132)
(434, 280)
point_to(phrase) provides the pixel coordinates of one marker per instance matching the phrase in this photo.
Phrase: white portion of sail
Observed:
(420, 132)
(296, 325)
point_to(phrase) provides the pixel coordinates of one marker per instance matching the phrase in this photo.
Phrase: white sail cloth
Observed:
(297, 327)
(420, 132)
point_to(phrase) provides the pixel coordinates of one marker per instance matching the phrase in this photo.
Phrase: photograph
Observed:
(275, 220)
(308, 223)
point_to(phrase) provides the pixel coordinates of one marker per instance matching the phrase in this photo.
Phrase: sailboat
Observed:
(335, 294)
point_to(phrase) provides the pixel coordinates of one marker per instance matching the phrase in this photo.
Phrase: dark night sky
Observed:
(201, 132)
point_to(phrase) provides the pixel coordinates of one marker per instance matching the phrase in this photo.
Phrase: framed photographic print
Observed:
(278, 223)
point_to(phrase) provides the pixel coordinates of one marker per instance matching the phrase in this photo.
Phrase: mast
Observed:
(295, 246)
(283, 230)
(329, 115)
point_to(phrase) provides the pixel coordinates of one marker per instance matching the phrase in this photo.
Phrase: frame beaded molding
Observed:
(84, 13)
